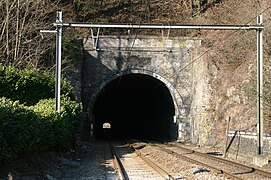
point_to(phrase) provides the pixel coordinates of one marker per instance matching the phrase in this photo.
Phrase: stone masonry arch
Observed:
(177, 99)
(165, 59)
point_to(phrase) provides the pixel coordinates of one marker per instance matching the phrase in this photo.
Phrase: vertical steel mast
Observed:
(260, 85)
(58, 59)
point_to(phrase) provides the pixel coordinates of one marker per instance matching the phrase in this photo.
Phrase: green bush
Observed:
(36, 128)
(28, 120)
(29, 86)
(64, 123)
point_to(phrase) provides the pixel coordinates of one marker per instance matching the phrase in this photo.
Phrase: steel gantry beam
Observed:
(161, 26)
(259, 29)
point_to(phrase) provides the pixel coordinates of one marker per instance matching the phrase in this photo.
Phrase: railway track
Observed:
(131, 164)
(225, 167)
(140, 160)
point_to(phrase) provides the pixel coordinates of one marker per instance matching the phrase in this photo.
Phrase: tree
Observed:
(21, 21)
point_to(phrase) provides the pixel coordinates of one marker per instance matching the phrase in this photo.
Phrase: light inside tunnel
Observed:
(136, 106)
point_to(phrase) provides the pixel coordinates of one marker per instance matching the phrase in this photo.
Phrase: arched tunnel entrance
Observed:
(136, 106)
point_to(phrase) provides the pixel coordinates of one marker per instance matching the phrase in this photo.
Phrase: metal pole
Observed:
(58, 59)
(160, 26)
(260, 85)
(226, 143)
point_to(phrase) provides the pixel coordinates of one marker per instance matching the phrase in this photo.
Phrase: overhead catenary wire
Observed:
(254, 17)
(155, 26)
(235, 31)
(60, 24)
(218, 40)
(267, 20)
(232, 9)
(259, 89)
(259, 83)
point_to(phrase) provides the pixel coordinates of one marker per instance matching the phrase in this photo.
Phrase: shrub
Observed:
(29, 86)
(36, 128)
(64, 123)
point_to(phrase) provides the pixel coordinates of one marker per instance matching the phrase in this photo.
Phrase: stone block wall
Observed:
(171, 60)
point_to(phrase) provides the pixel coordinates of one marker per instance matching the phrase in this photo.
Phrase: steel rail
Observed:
(160, 26)
(157, 168)
(257, 171)
(217, 170)
(210, 157)
(117, 162)
(121, 168)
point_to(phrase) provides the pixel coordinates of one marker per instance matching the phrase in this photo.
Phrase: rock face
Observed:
(170, 60)
(205, 91)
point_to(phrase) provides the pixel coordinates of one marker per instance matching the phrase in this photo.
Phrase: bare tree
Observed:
(21, 20)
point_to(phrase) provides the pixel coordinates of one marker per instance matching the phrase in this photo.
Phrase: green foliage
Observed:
(72, 48)
(64, 123)
(29, 86)
(72, 54)
(36, 128)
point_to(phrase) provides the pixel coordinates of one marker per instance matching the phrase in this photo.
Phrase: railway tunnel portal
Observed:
(143, 86)
(136, 106)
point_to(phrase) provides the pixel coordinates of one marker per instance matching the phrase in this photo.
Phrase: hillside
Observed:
(230, 58)
(231, 55)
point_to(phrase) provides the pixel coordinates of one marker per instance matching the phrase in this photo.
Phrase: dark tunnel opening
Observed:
(136, 106)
